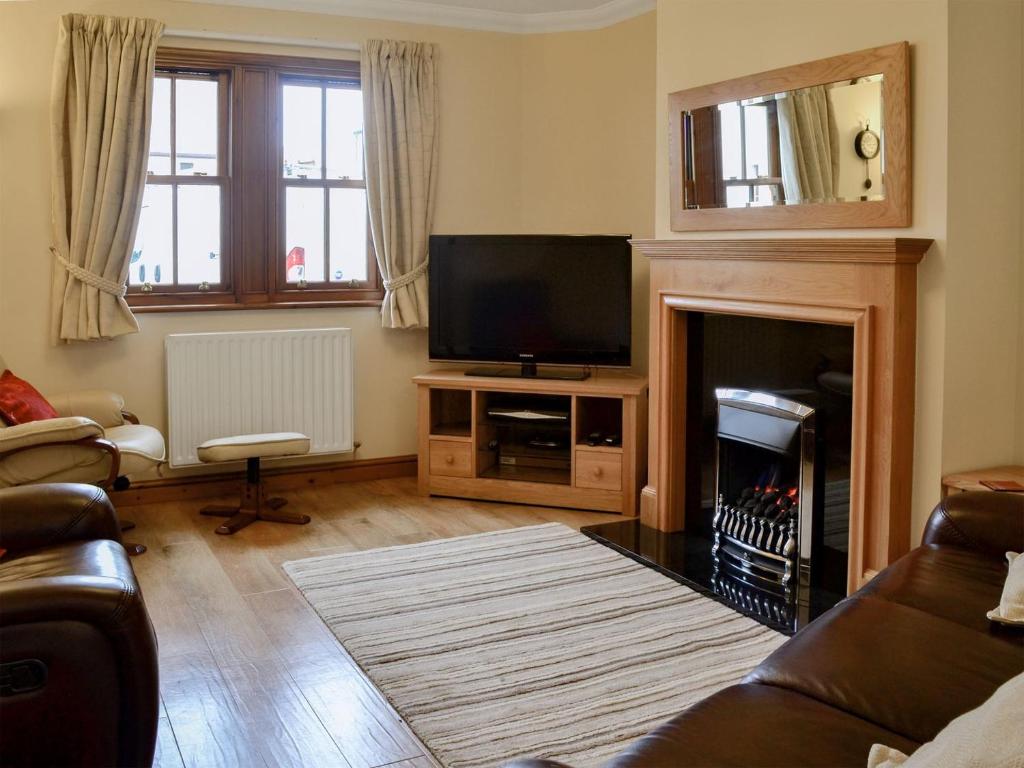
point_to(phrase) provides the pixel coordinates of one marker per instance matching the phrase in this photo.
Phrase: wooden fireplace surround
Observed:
(867, 283)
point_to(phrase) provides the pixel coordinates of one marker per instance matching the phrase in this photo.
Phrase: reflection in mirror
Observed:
(812, 145)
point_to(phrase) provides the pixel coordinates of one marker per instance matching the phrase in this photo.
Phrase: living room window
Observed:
(322, 182)
(178, 243)
(255, 193)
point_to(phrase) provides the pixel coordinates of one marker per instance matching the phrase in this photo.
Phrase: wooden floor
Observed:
(250, 676)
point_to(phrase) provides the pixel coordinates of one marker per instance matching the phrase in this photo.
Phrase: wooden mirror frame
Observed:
(891, 61)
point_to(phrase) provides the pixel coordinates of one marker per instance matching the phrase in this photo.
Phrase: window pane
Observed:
(757, 141)
(764, 194)
(732, 161)
(303, 116)
(348, 234)
(304, 234)
(195, 127)
(160, 130)
(737, 197)
(198, 234)
(152, 259)
(344, 133)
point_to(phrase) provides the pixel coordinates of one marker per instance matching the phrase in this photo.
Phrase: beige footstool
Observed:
(252, 448)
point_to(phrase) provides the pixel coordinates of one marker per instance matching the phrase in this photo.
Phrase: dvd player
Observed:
(527, 414)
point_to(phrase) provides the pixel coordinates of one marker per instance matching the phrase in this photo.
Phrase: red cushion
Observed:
(20, 402)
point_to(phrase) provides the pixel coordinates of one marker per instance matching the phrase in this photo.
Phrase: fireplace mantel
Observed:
(869, 284)
(894, 250)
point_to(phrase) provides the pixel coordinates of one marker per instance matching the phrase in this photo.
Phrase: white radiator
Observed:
(221, 384)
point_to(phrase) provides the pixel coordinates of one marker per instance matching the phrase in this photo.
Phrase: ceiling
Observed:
(518, 16)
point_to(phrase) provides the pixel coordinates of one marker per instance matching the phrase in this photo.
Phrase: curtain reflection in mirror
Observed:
(809, 146)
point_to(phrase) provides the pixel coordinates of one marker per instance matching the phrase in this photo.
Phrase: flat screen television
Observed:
(530, 299)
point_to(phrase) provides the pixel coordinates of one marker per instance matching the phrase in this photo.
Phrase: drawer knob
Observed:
(449, 459)
(598, 471)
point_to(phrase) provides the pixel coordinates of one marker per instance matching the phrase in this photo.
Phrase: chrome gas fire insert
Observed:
(764, 512)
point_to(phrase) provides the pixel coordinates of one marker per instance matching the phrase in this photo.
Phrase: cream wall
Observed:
(856, 106)
(705, 41)
(485, 185)
(1020, 304)
(588, 141)
(983, 378)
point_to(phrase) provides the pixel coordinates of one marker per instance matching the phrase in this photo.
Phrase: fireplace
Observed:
(768, 406)
(864, 286)
(765, 511)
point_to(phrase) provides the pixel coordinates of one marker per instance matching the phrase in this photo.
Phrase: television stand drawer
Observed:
(599, 470)
(451, 458)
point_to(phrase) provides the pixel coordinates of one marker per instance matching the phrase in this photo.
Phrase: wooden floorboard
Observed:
(250, 676)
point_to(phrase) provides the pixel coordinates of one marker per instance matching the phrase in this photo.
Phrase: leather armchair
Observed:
(78, 656)
(94, 440)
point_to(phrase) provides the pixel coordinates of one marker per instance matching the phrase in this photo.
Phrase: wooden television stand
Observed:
(524, 440)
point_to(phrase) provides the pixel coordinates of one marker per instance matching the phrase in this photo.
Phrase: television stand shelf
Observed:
(525, 440)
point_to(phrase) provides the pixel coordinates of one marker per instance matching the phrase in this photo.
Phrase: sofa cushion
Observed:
(893, 665)
(948, 582)
(758, 726)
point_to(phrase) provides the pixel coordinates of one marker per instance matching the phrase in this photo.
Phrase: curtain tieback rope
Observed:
(89, 278)
(409, 277)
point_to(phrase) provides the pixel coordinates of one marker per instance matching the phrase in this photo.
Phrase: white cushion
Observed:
(990, 736)
(254, 446)
(1011, 604)
(105, 408)
(141, 447)
(66, 463)
(64, 429)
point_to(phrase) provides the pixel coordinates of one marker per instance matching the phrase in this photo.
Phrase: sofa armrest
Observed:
(35, 516)
(66, 429)
(986, 521)
(103, 407)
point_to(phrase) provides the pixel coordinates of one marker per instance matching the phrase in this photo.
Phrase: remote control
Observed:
(594, 438)
(612, 440)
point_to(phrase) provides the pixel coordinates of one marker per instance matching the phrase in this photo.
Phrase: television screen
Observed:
(556, 299)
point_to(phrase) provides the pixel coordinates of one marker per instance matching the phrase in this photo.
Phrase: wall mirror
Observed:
(818, 145)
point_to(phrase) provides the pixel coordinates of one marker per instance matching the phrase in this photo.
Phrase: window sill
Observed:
(142, 309)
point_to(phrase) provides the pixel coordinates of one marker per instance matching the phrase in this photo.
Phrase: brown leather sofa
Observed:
(78, 657)
(893, 663)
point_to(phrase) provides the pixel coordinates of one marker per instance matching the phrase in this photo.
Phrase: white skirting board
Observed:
(222, 384)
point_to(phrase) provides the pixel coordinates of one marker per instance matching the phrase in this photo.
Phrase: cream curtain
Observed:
(809, 140)
(102, 100)
(399, 83)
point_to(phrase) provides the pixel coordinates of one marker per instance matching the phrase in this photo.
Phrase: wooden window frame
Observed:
(704, 185)
(774, 177)
(252, 183)
(223, 288)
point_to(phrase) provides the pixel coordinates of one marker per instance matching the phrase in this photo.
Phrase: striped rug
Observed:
(533, 641)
